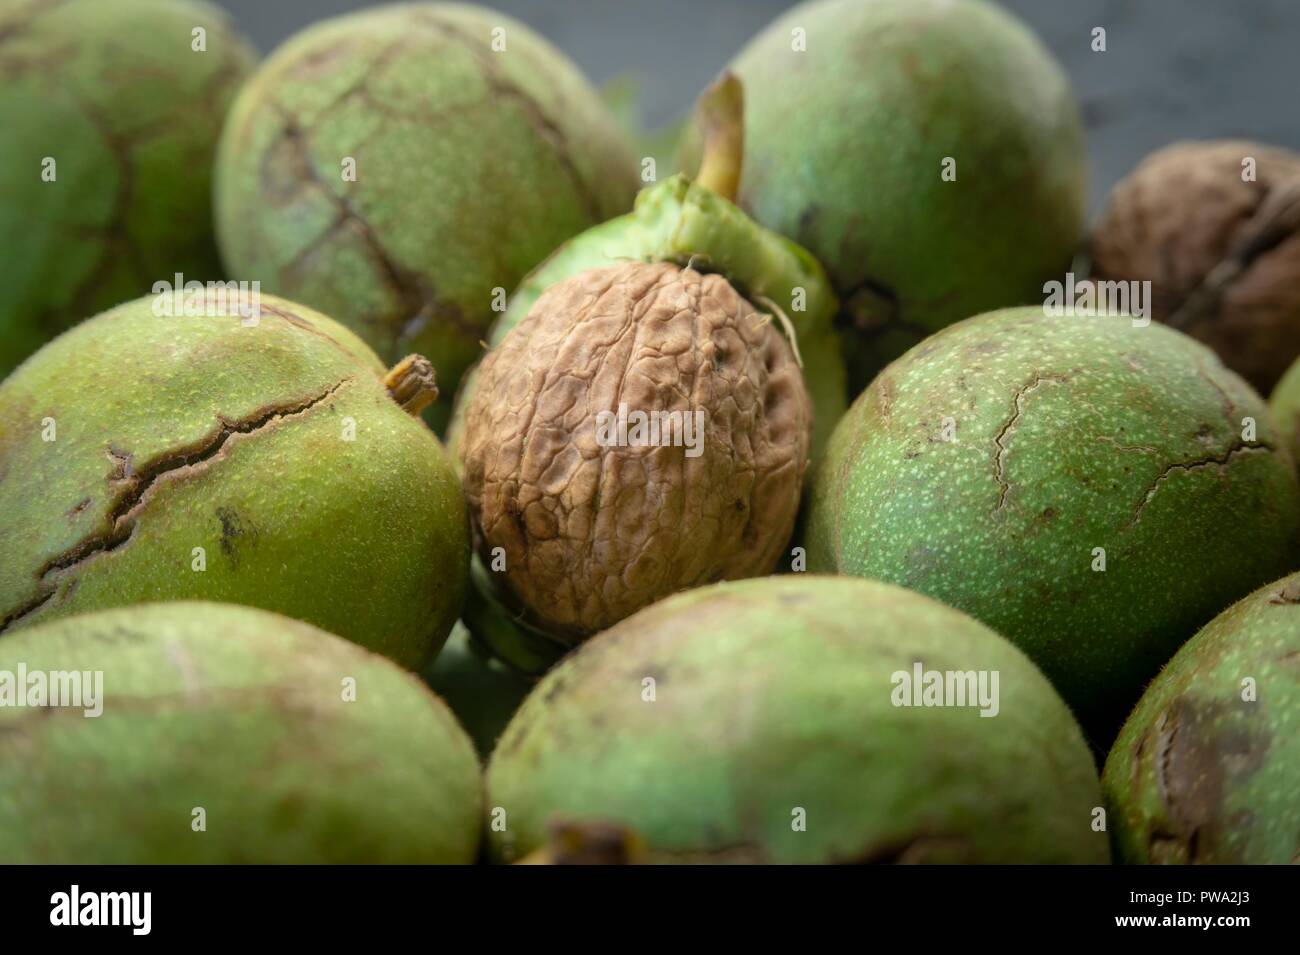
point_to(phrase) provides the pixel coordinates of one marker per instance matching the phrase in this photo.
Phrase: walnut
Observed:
(597, 520)
(1222, 254)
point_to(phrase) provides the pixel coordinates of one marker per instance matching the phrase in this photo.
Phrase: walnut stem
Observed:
(411, 384)
(587, 843)
(720, 114)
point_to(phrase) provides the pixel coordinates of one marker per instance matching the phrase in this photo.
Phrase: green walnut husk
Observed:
(1207, 768)
(116, 95)
(1285, 405)
(772, 699)
(845, 141)
(278, 448)
(481, 691)
(471, 165)
(229, 735)
(988, 466)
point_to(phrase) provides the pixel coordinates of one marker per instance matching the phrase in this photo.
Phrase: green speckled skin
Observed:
(114, 93)
(241, 713)
(471, 166)
(843, 150)
(1285, 405)
(775, 693)
(1071, 433)
(365, 538)
(1200, 774)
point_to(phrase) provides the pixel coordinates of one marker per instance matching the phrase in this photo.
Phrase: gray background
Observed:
(1173, 69)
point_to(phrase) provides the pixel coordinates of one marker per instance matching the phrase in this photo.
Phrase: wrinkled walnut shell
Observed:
(592, 532)
(1222, 255)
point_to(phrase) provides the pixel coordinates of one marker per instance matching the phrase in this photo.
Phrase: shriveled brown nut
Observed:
(1222, 254)
(593, 528)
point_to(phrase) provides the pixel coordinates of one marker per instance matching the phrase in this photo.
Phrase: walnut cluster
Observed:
(644, 430)
(1221, 250)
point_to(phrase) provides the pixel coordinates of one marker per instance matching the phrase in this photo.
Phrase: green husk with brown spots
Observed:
(1207, 768)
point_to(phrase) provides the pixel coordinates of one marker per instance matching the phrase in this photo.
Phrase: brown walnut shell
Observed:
(1222, 255)
(593, 531)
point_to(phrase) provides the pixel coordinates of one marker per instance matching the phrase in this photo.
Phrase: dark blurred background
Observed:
(1173, 69)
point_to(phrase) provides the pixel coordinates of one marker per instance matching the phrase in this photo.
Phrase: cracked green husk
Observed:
(471, 166)
(176, 433)
(297, 746)
(1207, 768)
(1068, 434)
(773, 700)
(129, 112)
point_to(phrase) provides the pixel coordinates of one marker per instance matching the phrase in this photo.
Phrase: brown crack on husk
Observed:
(504, 87)
(999, 439)
(133, 487)
(415, 297)
(117, 251)
(417, 303)
(1220, 461)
